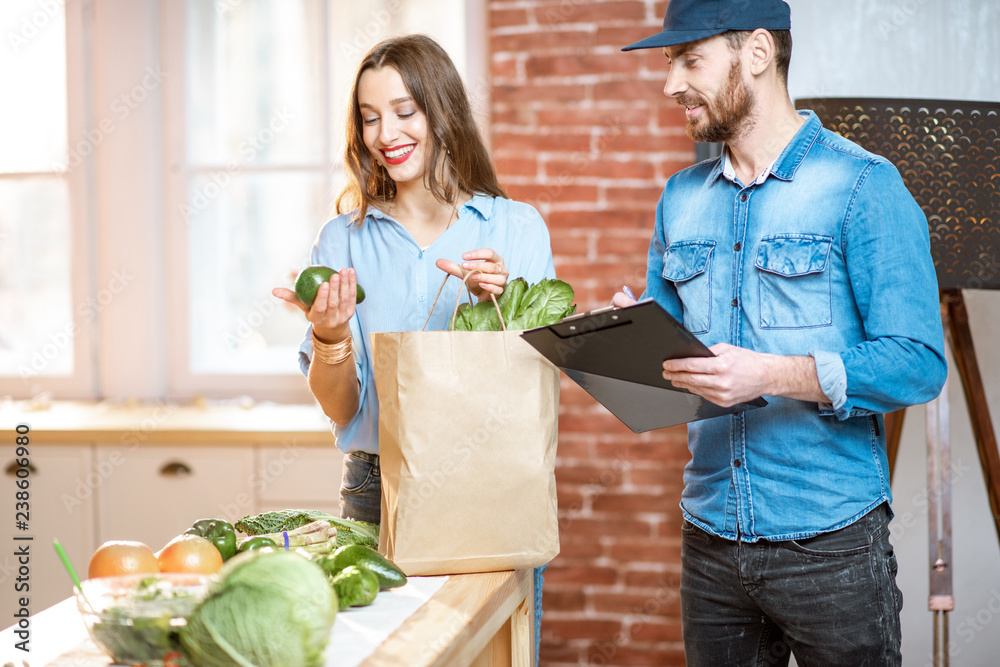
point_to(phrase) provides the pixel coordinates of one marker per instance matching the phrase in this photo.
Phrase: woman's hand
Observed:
(493, 276)
(331, 312)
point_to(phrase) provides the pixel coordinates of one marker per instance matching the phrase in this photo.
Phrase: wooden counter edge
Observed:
(456, 624)
(82, 423)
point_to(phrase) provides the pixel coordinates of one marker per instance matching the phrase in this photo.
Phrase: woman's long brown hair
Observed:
(459, 159)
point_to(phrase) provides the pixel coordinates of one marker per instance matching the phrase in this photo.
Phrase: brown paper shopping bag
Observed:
(468, 426)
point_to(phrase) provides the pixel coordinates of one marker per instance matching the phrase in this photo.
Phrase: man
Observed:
(805, 264)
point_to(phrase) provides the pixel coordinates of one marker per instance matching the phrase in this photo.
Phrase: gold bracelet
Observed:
(332, 353)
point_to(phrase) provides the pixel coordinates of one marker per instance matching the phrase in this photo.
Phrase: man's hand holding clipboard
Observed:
(617, 355)
(737, 375)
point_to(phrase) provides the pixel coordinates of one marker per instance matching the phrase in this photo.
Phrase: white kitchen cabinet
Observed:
(154, 493)
(61, 497)
(290, 474)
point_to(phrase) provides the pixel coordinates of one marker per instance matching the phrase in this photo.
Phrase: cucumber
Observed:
(358, 555)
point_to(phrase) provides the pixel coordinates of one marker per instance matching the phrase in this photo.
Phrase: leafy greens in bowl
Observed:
(136, 618)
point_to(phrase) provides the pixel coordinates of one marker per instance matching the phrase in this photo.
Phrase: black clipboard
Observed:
(616, 355)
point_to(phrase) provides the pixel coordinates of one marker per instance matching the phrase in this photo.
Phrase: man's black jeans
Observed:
(832, 599)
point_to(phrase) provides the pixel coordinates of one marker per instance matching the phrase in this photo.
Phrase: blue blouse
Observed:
(401, 280)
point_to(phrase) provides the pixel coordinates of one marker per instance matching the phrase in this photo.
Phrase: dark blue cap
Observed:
(691, 20)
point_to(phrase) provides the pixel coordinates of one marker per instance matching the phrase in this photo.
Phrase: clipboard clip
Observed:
(591, 321)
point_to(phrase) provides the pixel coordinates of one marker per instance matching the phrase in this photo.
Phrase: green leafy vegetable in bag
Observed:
(481, 317)
(523, 306)
(544, 303)
(510, 300)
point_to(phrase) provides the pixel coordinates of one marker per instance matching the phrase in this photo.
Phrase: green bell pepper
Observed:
(217, 531)
(256, 542)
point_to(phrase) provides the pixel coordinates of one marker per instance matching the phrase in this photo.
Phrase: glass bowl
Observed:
(136, 618)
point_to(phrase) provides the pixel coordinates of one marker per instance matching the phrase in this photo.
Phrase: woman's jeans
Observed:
(829, 600)
(361, 500)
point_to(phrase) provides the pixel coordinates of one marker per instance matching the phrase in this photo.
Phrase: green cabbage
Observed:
(265, 609)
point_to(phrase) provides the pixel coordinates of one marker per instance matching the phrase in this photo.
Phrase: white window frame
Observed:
(79, 333)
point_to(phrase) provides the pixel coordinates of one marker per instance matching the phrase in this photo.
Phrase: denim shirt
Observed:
(401, 281)
(827, 255)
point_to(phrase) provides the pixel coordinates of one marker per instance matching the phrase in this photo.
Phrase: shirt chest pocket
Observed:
(795, 288)
(688, 265)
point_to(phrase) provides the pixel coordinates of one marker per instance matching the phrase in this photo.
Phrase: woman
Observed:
(422, 192)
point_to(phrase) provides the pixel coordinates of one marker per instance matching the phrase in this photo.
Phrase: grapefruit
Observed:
(189, 553)
(122, 557)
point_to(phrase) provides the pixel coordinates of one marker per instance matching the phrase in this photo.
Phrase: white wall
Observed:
(941, 49)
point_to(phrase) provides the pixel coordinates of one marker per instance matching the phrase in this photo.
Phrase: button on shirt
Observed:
(825, 254)
(401, 280)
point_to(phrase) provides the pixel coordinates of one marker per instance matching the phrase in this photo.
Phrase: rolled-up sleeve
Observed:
(901, 362)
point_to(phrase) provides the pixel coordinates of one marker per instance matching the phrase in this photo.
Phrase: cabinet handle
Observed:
(175, 469)
(11, 469)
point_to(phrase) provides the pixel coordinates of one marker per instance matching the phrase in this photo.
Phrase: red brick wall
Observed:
(583, 132)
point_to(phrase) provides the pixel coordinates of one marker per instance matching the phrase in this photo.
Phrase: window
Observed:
(259, 169)
(42, 336)
(175, 173)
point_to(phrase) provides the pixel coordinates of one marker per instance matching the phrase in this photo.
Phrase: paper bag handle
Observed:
(454, 312)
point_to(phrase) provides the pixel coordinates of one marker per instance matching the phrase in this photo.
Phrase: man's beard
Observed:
(728, 115)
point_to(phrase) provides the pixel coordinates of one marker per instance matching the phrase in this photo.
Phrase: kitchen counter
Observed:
(483, 620)
(237, 421)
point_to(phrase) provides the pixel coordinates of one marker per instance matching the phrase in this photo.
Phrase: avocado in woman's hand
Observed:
(309, 281)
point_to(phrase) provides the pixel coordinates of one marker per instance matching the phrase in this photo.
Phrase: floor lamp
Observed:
(948, 153)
